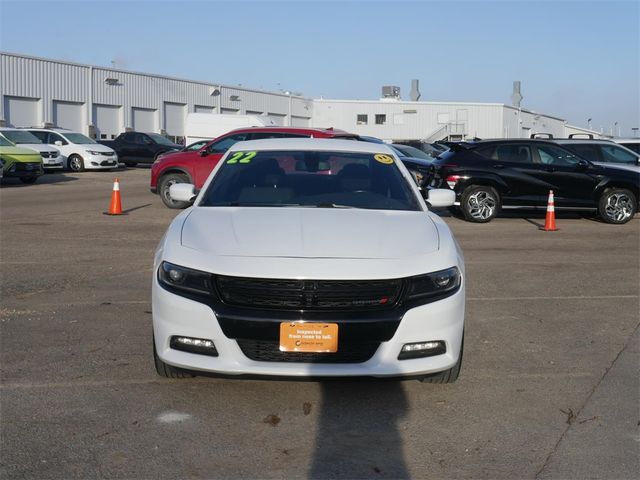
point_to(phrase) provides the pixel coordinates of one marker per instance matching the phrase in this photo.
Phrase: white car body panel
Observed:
(309, 243)
(91, 161)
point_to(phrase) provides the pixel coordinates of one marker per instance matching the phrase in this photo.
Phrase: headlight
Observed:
(186, 279)
(434, 284)
(93, 152)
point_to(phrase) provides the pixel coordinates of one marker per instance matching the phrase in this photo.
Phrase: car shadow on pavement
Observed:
(358, 433)
(46, 179)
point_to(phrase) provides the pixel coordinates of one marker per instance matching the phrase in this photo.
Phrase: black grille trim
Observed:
(288, 294)
(269, 351)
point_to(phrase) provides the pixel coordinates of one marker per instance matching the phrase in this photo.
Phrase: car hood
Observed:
(18, 151)
(39, 147)
(309, 233)
(96, 147)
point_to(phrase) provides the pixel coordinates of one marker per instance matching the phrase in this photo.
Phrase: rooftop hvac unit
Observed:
(390, 91)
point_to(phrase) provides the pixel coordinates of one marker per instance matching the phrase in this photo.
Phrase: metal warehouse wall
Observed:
(405, 120)
(524, 123)
(43, 80)
(38, 91)
(48, 81)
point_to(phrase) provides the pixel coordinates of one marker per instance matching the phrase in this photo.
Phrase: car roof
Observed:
(55, 129)
(582, 140)
(491, 141)
(328, 132)
(626, 140)
(311, 144)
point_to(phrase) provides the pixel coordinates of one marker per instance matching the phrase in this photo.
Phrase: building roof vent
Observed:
(391, 91)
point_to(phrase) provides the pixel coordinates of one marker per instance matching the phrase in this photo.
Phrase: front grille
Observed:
(105, 163)
(27, 167)
(309, 294)
(269, 351)
(48, 154)
(107, 154)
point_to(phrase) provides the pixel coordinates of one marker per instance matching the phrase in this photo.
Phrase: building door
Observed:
(68, 115)
(21, 111)
(203, 109)
(107, 121)
(144, 120)
(174, 114)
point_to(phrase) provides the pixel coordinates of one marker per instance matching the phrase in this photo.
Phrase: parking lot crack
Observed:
(571, 416)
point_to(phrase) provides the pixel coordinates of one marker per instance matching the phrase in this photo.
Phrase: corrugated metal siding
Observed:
(410, 120)
(49, 80)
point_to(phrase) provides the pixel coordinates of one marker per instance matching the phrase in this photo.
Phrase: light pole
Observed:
(589, 123)
(288, 94)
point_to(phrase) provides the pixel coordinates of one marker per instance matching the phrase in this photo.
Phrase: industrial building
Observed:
(103, 102)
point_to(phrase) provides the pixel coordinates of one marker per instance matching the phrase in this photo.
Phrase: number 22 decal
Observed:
(241, 157)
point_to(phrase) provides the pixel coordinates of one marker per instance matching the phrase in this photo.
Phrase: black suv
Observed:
(493, 174)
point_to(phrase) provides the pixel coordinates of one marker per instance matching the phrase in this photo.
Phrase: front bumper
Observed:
(52, 163)
(100, 162)
(174, 315)
(23, 170)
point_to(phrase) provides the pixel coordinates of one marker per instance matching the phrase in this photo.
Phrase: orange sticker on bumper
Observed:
(308, 337)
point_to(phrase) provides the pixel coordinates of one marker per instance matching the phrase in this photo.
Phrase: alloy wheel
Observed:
(619, 207)
(481, 205)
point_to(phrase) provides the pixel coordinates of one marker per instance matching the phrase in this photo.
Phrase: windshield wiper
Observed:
(332, 205)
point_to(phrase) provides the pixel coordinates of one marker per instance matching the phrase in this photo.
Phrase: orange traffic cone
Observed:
(550, 220)
(116, 204)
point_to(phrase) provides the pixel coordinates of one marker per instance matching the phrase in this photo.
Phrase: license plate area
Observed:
(308, 337)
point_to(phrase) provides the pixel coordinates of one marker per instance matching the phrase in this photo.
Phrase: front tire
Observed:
(447, 376)
(617, 205)
(165, 370)
(480, 204)
(165, 183)
(75, 163)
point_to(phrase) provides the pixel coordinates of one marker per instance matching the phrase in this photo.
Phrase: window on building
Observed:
(381, 119)
(362, 119)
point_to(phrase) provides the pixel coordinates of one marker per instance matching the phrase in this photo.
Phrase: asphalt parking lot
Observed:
(549, 386)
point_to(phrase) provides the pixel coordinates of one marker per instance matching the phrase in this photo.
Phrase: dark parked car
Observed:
(494, 174)
(137, 147)
(418, 166)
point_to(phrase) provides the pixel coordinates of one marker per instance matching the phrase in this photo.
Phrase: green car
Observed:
(24, 163)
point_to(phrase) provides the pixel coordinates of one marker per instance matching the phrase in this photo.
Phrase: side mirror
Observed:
(58, 143)
(203, 153)
(440, 197)
(582, 165)
(182, 192)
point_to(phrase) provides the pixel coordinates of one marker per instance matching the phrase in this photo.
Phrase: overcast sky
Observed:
(576, 59)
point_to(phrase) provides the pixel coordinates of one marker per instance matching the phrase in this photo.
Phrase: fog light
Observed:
(201, 346)
(95, 164)
(422, 349)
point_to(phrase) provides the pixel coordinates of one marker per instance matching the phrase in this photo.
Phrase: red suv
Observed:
(193, 165)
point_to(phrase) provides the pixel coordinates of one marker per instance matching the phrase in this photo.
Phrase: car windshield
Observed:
(321, 179)
(20, 136)
(5, 143)
(409, 151)
(160, 139)
(79, 138)
(195, 146)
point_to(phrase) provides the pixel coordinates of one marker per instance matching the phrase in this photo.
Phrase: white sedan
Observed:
(309, 257)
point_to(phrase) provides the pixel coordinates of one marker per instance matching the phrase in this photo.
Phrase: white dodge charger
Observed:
(309, 257)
